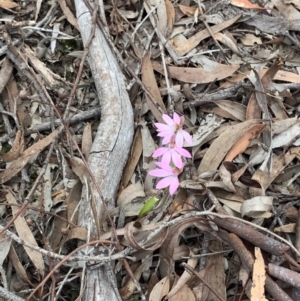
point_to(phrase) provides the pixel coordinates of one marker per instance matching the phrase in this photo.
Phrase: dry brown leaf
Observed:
(12, 94)
(160, 290)
(25, 233)
(286, 10)
(72, 202)
(288, 228)
(215, 272)
(259, 277)
(279, 163)
(198, 75)
(149, 81)
(159, 20)
(69, 15)
(220, 147)
(225, 175)
(192, 42)
(8, 4)
(185, 294)
(127, 290)
(130, 193)
(79, 168)
(178, 203)
(257, 207)
(234, 110)
(16, 148)
(20, 270)
(173, 238)
(188, 10)
(56, 237)
(19, 163)
(170, 16)
(250, 39)
(49, 76)
(148, 146)
(243, 142)
(134, 156)
(246, 4)
(78, 233)
(87, 140)
(183, 279)
(131, 241)
(227, 41)
(281, 75)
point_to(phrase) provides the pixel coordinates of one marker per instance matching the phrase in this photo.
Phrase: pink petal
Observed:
(165, 134)
(174, 185)
(176, 118)
(166, 140)
(165, 166)
(166, 159)
(179, 139)
(160, 173)
(159, 152)
(163, 127)
(187, 137)
(164, 182)
(177, 160)
(168, 120)
(183, 152)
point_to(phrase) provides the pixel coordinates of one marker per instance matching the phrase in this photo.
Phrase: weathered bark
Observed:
(111, 145)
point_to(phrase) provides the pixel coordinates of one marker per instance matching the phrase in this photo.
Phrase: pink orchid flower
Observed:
(170, 175)
(173, 152)
(173, 126)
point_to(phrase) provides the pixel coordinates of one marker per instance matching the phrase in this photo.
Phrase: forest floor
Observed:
(208, 202)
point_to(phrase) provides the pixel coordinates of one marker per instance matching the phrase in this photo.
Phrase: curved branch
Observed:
(111, 145)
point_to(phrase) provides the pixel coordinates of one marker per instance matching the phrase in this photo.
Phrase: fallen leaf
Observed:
(189, 44)
(246, 4)
(198, 75)
(160, 290)
(19, 163)
(8, 4)
(188, 10)
(221, 146)
(130, 193)
(257, 207)
(159, 17)
(68, 14)
(133, 158)
(25, 233)
(87, 140)
(149, 81)
(259, 277)
(16, 148)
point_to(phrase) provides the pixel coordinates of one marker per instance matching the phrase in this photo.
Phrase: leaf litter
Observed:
(231, 230)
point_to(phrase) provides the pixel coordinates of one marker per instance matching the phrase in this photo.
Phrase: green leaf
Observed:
(148, 206)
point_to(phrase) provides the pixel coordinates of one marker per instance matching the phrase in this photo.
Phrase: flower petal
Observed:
(166, 158)
(166, 139)
(177, 159)
(168, 120)
(160, 173)
(176, 118)
(179, 139)
(174, 185)
(165, 167)
(183, 152)
(159, 152)
(163, 127)
(165, 182)
(187, 137)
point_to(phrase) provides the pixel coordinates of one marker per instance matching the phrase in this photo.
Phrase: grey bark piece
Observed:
(110, 147)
